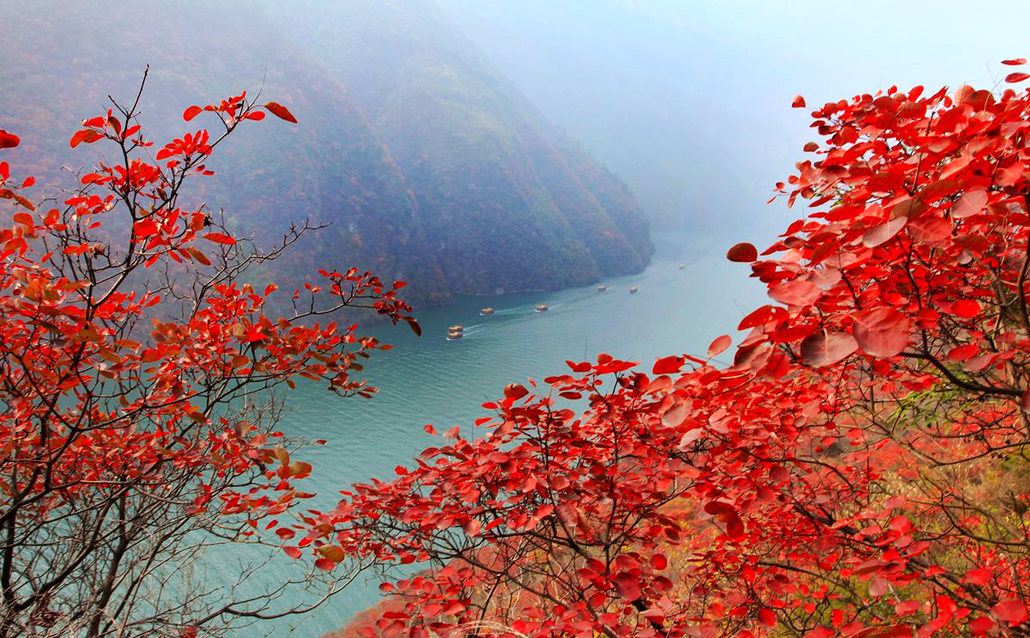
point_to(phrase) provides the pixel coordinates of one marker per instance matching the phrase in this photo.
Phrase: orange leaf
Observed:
(219, 238)
(280, 111)
(199, 256)
(742, 253)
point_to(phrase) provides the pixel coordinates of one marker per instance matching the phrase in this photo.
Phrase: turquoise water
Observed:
(433, 380)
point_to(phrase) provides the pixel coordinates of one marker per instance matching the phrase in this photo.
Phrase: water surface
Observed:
(433, 380)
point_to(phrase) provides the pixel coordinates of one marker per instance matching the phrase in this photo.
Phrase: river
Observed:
(433, 380)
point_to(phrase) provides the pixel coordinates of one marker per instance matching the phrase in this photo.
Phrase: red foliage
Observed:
(860, 469)
(118, 439)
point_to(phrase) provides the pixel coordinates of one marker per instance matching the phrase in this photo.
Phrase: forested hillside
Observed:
(426, 165)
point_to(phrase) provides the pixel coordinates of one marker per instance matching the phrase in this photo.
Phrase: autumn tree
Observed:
(860, 469)
(138, 429)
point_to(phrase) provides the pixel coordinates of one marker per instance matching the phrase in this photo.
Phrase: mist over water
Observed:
(690, 101)
(688, 104)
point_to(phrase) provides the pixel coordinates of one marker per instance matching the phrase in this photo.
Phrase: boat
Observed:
(486, 311)
(455, 332)
(542, 308)
(633, 289)
(601, 288)
(682, 266)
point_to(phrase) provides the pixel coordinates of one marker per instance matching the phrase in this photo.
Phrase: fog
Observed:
(690, 102)
(451, 144)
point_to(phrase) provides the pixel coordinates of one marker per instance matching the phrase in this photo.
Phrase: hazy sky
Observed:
(690, 102)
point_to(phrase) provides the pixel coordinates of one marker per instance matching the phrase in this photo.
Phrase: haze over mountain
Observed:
(429, 165)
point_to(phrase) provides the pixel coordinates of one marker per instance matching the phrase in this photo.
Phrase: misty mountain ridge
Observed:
(427, 165)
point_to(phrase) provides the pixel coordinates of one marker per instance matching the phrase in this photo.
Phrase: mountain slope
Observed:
(516, 204)
(329, 169)
(422, 161)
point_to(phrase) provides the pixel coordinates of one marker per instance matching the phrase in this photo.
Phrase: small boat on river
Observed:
(486, 311)
(542, 308)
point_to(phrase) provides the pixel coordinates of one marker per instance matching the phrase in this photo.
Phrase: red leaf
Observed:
(1014, 61)
(765, 314)
(280, 111)
(8, 140)
(1011, 611)
(795, 292)
(145, 228)
(907, 607)
(719, 345)
(580, 367)
(881, 332)
(324, 564)
(966, 308)
(515, 391)
(978, 577)
(971, 203)
(884, 232)
(191, 113)
(981, 626)
(253, 334)
(767, 617)
(627, 586)
(675, 416)
(742, 253)
(1016, 77)
(85, 135)
(219, 238)
(798, 103)
(667, 365)
(256, 116)
(727, 514)
(659, 561)
(823, 349)
(292, 552)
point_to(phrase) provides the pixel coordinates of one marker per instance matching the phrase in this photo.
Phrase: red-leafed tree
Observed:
(862, 468)
(135, 365)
